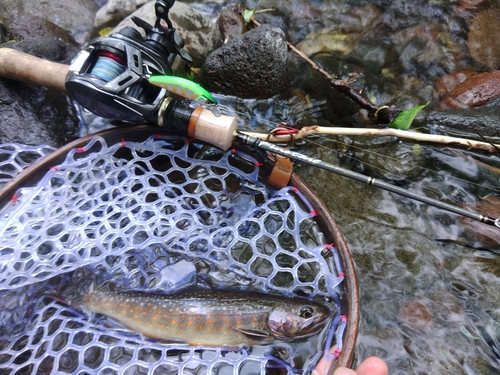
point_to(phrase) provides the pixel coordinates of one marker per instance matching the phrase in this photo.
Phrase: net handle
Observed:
(21, 66)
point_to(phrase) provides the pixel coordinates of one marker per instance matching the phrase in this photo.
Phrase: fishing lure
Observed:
(187, 89)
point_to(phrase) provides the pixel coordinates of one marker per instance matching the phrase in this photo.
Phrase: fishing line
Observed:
(393, 159)
(254, 142)
(352, 146)
(247, 140)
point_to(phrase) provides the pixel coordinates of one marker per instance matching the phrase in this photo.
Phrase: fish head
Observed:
(297, 320)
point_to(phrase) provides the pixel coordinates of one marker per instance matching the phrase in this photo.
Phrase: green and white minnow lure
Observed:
(187, 89)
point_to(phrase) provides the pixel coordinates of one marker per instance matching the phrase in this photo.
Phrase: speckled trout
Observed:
(211, 318)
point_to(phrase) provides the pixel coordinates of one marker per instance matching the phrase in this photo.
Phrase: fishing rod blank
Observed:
(258, 143)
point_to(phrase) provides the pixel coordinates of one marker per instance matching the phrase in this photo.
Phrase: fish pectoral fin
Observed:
(257, 333)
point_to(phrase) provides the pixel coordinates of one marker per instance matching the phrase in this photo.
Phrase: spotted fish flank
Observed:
(183, 87)
(212, 318)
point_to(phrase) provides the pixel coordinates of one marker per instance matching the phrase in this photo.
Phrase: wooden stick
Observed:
(383, 115)
(414, 136)
(23, 67)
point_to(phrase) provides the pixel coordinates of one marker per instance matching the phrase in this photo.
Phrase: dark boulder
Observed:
(31, 114)
(252, 65)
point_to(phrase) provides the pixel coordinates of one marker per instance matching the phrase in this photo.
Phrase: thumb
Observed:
(344, 371)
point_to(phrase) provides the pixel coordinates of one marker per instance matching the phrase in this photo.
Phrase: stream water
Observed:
(430, 295)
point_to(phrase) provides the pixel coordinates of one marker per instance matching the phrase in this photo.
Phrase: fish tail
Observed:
(59, 298)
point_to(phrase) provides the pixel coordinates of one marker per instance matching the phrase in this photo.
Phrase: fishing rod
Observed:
(250, 141)
(105, 78)
(220, 131)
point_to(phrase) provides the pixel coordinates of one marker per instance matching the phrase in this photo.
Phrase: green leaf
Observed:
(468, 334)
(405, 118)
(417, 149)
(247, 15)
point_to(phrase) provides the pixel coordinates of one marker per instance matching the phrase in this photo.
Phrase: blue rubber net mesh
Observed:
(156, 216)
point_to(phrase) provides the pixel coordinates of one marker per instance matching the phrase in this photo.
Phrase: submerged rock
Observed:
(416, 315)
(250, 66)
(484, 119)
(481, 235)
(467, 89)
(483, 41)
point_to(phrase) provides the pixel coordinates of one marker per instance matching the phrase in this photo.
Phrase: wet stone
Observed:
(231, 24)
(467, 89)
(68, 15)
(26, 27)
(483, 41)
(481, 235)
(485, 119)
(200, 34)
(113, 12)
(250, 66)
(31, 114)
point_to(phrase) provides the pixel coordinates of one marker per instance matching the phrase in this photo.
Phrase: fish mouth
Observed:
(312, 327)
(307, 329)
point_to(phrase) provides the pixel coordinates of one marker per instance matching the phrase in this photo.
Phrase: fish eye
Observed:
(306, 311)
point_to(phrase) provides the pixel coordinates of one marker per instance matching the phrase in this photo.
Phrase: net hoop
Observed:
(350, 298)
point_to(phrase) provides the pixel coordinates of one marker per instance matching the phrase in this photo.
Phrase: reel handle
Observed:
(27, 68)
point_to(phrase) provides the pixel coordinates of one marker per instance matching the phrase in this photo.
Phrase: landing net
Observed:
(156, 216)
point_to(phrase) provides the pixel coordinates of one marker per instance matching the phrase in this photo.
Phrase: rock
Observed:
(483, 41)
(28, 27)
(68, 15)
(250, 66)
(31, 114)
(481, 235)
(416, 315)
(113, 12)
(484, 119)
(327, 40)
(467, 89)
(231, 24)
(201, 35)
(3, 33)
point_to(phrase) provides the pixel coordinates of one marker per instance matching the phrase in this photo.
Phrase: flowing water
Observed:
(430, 294)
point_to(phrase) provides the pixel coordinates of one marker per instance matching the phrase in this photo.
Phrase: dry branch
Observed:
(404, 134)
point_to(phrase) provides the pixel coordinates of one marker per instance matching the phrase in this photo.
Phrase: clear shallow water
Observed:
(430, 301)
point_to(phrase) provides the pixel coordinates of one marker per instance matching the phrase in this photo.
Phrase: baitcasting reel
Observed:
(109, 77)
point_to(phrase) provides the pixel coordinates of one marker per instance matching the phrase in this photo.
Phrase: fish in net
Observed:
(155, 215)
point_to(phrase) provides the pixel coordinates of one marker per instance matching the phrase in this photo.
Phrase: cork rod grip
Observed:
(27, 68)
(218, 131)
